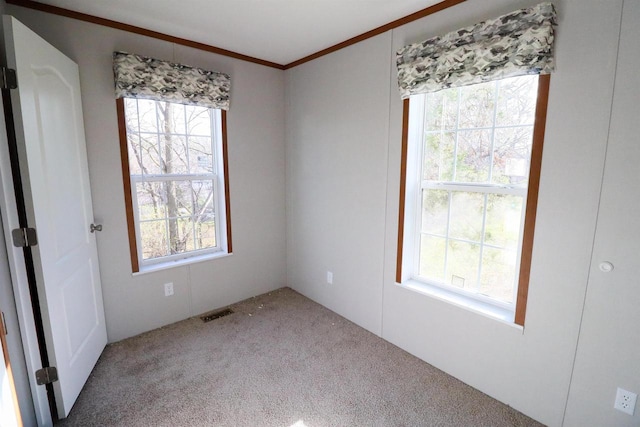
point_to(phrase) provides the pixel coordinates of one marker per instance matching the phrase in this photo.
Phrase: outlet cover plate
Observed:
(625, 401)
(168, 289)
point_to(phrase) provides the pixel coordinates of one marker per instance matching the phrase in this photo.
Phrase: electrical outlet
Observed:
(329, 278)
(625, 401)
(168, 289)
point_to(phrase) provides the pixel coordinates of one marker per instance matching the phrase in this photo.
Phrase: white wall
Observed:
(256, 168)
(343, 168)
(337, 129)
(609, 344)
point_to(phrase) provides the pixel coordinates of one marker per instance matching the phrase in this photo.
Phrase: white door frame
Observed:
(19, 279)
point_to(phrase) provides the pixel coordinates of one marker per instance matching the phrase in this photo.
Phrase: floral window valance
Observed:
(137, 76)
(514, 44)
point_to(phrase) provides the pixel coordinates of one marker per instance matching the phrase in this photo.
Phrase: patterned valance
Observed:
(514, 44)
(137, 76)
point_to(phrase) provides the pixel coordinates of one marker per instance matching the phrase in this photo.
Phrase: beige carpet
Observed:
(279, 360)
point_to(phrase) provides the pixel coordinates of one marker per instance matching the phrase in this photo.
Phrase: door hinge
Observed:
(46, 375)
(23, 237)
(8, 78)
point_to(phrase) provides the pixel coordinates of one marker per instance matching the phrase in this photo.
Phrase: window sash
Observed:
(415, 271)
(182, 255)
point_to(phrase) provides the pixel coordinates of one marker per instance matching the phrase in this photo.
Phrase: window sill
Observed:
(500, 314)
(180, 262)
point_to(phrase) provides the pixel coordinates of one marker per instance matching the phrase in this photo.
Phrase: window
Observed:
(472, 161)
(174, 156)
(172, 126)
(475, 103)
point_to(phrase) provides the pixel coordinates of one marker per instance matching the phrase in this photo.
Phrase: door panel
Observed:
(53, 166)
(75, 289)
(54, 96)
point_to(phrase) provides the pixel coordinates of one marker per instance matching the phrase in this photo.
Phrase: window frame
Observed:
(222, 208)
(406, 228)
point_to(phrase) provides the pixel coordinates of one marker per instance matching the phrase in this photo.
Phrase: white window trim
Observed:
(146, 269)
(466, 302)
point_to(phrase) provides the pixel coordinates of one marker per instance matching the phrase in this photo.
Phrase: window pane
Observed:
(432, 252)
(435, 211)
(200, 154)
(477, 105)
(438, 156)
(154, 239)
(151, 200)
(149, 153)
(135, 161)
(204, 214)
(147, 116)
(512, 155)
(203, 200)
(177, 119)
(498, 273)
(206, 234)
(164, 113)
(463, 260)
(474, 149)
(198, 120)
(467, 210)
(441, 109)
(179, 201)
(131, 115)
(517, 98)
(174, 154)
(185, 239)
(504, 214)
(174, 236)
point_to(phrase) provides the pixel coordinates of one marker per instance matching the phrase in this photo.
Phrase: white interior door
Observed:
(53, 164)
(608, 354)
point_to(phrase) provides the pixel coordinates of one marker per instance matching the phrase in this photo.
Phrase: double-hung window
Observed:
(475, 108)
(174, 165)
(471, 149)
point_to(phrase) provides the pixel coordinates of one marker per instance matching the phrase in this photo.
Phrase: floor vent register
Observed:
(216, 315)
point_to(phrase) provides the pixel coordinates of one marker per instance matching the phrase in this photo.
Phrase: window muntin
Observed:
(474, 147)
(176, 179)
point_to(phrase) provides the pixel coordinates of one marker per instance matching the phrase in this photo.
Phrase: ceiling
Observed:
(280, 31)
